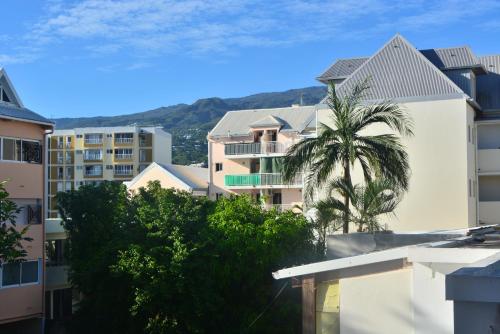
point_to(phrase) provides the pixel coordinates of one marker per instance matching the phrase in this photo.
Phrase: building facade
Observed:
(245, 151)
(453, 97)
(91, 155)
(22, 150)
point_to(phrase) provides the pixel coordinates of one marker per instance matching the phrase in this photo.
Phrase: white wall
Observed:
(162, 147)
(439, 156)
(377, 303)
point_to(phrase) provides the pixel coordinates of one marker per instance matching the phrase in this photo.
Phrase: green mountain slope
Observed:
(190, 123)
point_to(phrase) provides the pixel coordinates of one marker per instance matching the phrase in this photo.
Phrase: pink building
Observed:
(245, 151)
(22, 164)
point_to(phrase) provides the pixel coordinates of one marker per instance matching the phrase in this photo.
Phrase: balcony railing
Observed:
(279, 207)
(260, 179)
(123, 171)
(270, 147)
(123, 156)
(92, 157)
(120, 140)
(93, 140)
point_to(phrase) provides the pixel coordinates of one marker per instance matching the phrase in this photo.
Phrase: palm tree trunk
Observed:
(347, 180)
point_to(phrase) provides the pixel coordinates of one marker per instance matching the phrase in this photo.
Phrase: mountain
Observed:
(190, 123)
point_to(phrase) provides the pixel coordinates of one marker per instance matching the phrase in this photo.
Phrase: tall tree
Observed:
(10, 238)
(339, 146)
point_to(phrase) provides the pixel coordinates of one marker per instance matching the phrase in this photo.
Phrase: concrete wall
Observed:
(377, 303)
(439, 153)
(162, 147)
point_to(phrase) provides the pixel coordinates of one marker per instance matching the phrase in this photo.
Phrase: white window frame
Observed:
(39, 273)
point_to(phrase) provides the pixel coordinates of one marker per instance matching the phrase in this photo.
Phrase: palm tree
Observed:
(342, 145)
(378, 197)
(327, 219)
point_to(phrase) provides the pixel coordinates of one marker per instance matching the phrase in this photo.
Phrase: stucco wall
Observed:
(378, 303)
(438, 153)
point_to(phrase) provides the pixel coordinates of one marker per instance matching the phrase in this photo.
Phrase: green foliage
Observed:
(345, 142)
(189, 124)
(162, 261)
(10, 238)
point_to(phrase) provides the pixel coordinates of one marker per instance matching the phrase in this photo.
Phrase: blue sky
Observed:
(101, 57)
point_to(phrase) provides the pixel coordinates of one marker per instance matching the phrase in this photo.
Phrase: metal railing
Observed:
(124, 140)
(269, 147)
(123, 156)
(93, 140)
(90, 156)
(260, 179)
(123, 171)
(93, 172)
(279, 207)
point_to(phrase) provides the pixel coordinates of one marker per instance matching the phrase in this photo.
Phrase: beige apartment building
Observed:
(245, 151)
(91, 155)
(453, 97)
(84, 156)
(22, 134)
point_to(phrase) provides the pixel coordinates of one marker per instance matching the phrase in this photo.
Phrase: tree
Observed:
(340, 146)
(164, 261)
(378, 197)
(10, 238)
(327, 219)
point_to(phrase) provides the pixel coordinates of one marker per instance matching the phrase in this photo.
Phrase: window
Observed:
(34, 214)
(60, 173)
(109, 151)
(68, 142)
(79, 167)
(79, 136)
(218, 166)
(59, 157)
(59, 186)
(79, 151)
(124, 169)
(142, 155)
(94, 170)
(93, 138)
(69, 172)
(68, 157)
(68, 185)
(3, 95)
(60, 142)
(123, 153)
(109, 135)
(109, 166)
(92, 155)
(21, 150)
(19, 273)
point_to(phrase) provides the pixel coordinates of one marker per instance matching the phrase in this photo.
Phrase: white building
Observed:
(404, 289)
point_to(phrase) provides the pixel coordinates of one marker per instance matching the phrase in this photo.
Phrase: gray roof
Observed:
(399, 70)
(195, 177)
(23, 114)
(342, 68)
(266, 121)
(239, 123)
(458, 57)
(488, 86)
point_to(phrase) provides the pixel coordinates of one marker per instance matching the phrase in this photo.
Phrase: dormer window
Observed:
(3, 95)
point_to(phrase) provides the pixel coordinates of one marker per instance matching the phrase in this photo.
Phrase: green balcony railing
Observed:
(259, 179)
(242, 148)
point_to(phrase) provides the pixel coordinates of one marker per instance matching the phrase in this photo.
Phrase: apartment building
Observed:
(453, 97)
(22, 134)
(83, 156)
(92, 155)
(245, 151)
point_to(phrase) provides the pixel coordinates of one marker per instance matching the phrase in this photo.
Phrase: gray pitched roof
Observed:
(195, 177)
(238, 123)
(266, 121)
(457, 57)
(399, 70)
(488, 86)
(341, 69)
(23, 114)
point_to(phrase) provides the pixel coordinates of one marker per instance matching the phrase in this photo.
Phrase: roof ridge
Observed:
(418, 54)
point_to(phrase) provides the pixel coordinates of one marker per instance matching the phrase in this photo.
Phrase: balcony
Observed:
(280, 207)
(93, 140)
(93, 172)
(54, 226)
(123, 171)
(261, 180)
(124, 140)
(489, 162)
(245, 150)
